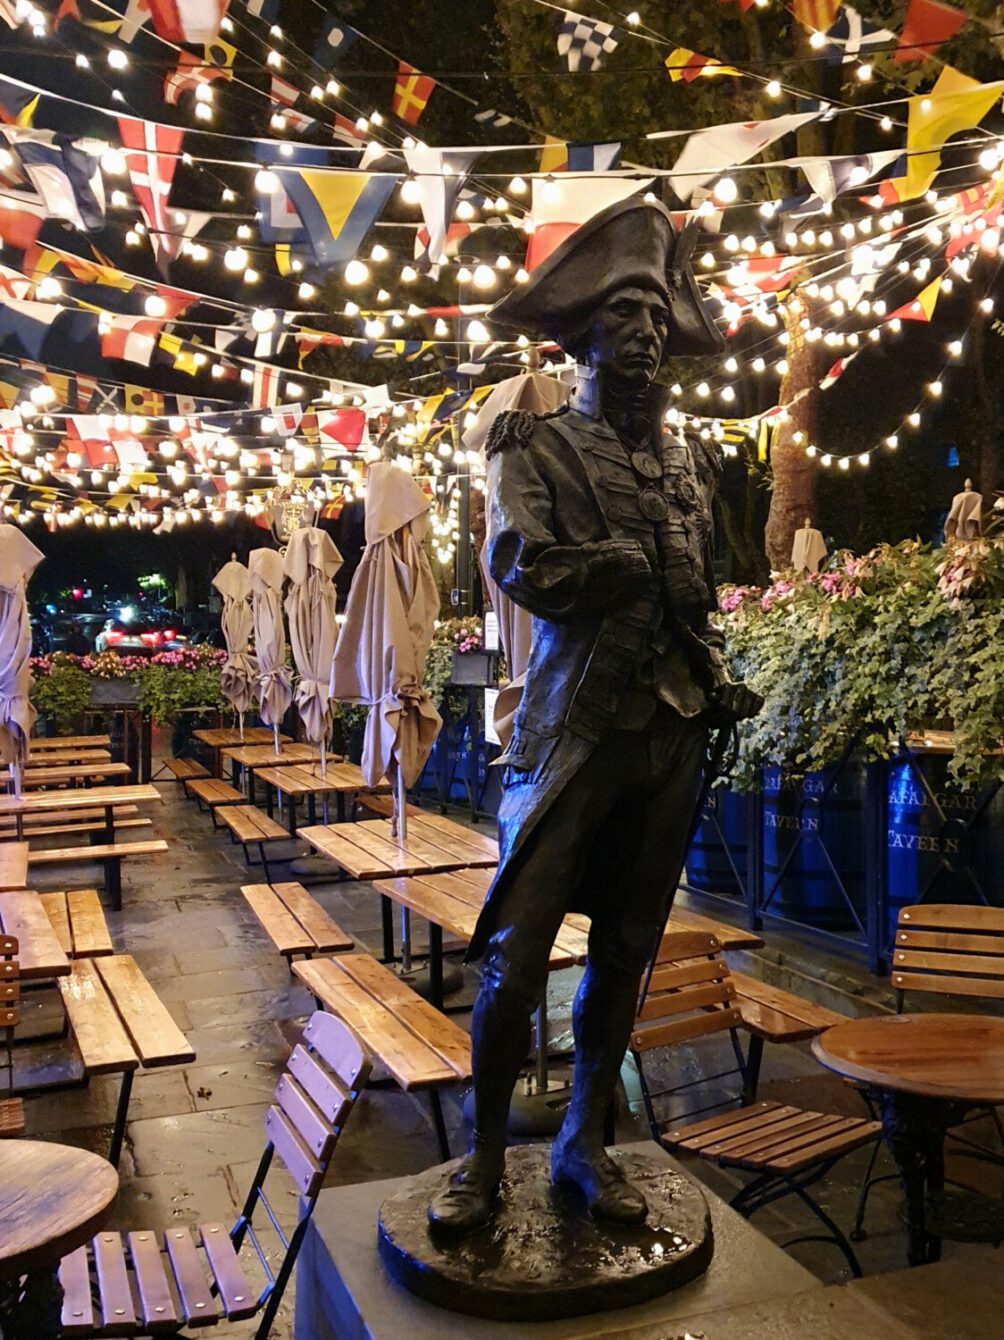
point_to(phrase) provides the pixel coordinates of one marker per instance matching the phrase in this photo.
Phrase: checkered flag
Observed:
(584, 42)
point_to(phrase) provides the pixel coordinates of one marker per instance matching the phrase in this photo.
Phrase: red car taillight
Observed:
(169, 634)
(150, 639)
(114, 636)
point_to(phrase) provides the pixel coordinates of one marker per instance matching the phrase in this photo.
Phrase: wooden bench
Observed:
(251, 828)
(13, 865)
(119, 1024)
(72, 774)
(185, 769)
(109, 854)
(56, 829)
(78, 920)
(39, 744)
(11, 1108)
(419, 1047)
(209, 792)
(295, 922)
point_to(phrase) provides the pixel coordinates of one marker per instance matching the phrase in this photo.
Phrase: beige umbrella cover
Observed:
(532, 391)
(273, 682)
(389, 621)
(233, 581)
(18, 560)
(311, 562)
(539, 394)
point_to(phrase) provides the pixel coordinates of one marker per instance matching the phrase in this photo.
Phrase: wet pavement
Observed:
(196, 1132)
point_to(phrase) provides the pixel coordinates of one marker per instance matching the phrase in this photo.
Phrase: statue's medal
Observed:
(653, 505)
(646, 464)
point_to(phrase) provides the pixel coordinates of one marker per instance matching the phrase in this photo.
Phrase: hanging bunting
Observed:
(181, 21)
(65, 172)
(583, 43)
(132, 338)
(439, 177)
(412, 92)
(151, 156)
(193, 72)
(333, 42)
(927, 26)
(707, 153)
(954, 104)
(17, 105)
(815, 15)
(686, 66)
(337, 210)
(853, 38)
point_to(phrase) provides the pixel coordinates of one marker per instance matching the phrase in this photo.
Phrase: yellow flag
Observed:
(554, 155)
(687, 66)
(955, 103)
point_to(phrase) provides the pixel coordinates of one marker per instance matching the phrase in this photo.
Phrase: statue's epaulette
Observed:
(707, 457)
(514, 428)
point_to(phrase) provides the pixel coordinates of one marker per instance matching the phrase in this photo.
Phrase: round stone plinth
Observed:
(543, 1256)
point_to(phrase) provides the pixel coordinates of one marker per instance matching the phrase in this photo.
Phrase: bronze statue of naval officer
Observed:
(599, 524)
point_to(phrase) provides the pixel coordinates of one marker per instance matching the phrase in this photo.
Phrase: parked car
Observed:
(133, 633)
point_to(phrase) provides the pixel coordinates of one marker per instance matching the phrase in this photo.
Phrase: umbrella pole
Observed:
(15, 772)
(275, 737)
(324, 758)
(402, 833)
(240, 719)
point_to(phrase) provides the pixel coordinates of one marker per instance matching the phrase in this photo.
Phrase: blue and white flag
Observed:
(584, 43)
(65, 173)
(852, 38)
(333, 42)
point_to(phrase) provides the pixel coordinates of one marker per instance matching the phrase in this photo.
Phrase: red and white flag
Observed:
(345, 428)
(133, 338)
(287, 419)
(87, 435)
(265, 390)
(151, 156)
(13, 284)
(187, 20)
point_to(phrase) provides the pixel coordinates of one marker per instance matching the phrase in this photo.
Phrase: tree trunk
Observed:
(793, 494)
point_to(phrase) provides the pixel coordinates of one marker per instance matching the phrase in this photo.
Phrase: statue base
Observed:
(542, 1256)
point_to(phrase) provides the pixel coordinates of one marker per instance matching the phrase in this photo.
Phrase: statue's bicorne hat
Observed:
(630, 243)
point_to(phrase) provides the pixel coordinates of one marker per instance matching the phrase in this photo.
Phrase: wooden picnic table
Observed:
(340, 779)
(248, 757)
(106, 798)
(369, 849)
(41, 743)
(452, 901)
(52, 758)
(53, 1199)
(226, 736)
(40, 955)
(13, 865)
(72, 774)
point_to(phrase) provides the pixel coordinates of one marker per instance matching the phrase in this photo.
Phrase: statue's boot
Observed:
(607, 1192)
(602, 1018)
(466, 1201)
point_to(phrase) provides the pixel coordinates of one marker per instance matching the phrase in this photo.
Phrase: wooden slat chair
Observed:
(147, 1283)
(945, 949)
(691, 996)
(11, 1108)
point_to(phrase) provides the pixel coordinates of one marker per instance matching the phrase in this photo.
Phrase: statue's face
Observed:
(627, 334)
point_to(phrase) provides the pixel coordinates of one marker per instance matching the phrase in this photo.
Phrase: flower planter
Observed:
(814, 846)
(944, 844)
(718, 861)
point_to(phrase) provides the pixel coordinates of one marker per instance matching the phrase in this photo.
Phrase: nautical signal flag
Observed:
(560, 156)
(342, 428)
(187, 20)
(17, 105)
(927, 26)
(151, 156)
(333, 41)
(686, 66)
(411, 93)
(133, 338)
(21, 218)
(217, 62)
(815, 15)
(66, 176)
(143, 400)
(265, 388)
(337, 210)
(568, 203)
(954, 104)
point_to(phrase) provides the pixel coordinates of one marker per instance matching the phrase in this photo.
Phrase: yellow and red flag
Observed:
(690, 65)
(411, 93)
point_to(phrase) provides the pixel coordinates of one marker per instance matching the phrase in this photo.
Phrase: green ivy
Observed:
(164, 690)
(900, 640)
(61, 696)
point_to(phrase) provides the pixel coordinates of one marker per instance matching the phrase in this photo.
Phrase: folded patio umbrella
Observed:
(233, 581)
(18, 560)
(389, 621)
(312, 560)
(539, 394)
(273, 682)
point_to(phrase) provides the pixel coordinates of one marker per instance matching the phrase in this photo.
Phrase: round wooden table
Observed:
(926, 1071)
(53, 1199)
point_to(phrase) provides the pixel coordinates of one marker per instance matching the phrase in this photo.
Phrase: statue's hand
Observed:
(736, 702)
(619, 567)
